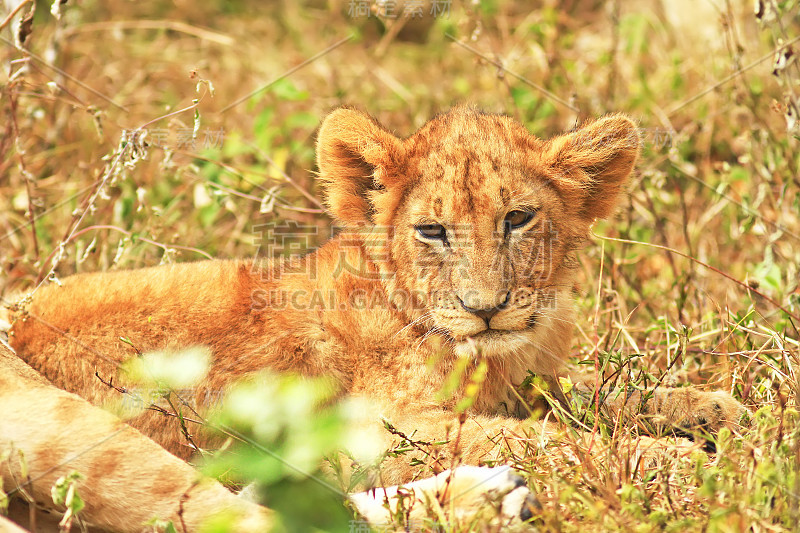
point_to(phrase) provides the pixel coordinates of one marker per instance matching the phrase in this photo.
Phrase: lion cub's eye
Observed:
(516, 219)
(432, 231)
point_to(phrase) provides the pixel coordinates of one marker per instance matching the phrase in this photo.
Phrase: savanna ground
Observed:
(694, 281)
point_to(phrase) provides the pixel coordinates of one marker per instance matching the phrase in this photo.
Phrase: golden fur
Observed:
(389, 306)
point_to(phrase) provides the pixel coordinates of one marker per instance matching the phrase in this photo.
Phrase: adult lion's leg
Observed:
(434, 440)
(451, 447)
(467, 490)
(46, 433)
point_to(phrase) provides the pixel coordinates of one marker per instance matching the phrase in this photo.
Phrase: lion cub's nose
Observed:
(486, 313)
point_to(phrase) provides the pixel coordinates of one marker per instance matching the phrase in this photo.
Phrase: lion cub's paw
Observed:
(466, 491)
(708, 412)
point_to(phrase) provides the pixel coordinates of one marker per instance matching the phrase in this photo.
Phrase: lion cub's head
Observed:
(472, 218)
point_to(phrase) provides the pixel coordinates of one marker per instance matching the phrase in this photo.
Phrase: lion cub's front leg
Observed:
(686, 410)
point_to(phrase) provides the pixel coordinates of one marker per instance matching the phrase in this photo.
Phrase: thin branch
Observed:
(704, 264)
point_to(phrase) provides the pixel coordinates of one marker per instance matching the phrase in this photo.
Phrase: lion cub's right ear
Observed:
(358, 161)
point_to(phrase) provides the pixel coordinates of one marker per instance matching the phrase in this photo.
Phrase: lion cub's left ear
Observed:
(358, 159)
(592, 164)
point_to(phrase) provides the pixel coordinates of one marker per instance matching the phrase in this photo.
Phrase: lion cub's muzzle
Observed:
(486, 313)
(466, 314)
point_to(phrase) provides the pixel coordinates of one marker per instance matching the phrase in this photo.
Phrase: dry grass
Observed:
(698, 273)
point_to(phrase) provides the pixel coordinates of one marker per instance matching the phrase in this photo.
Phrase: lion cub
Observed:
(455, 249)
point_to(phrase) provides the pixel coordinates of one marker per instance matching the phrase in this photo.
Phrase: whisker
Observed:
(424, 316)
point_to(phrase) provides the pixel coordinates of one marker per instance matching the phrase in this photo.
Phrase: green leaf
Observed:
(286, 90)
(176, 370)
(64, 492)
